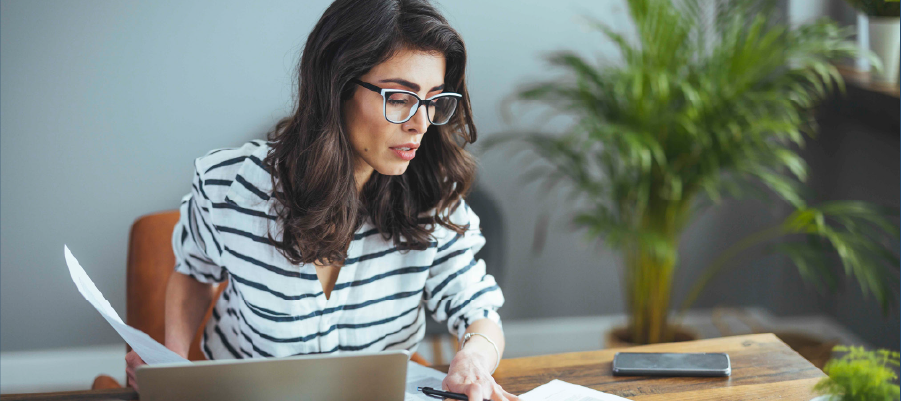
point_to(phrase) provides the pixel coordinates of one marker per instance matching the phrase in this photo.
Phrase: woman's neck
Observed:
(362, 173)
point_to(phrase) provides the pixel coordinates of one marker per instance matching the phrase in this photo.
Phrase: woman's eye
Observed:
(397, 102)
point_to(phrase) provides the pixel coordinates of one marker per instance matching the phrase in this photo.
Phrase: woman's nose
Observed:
(419, 121)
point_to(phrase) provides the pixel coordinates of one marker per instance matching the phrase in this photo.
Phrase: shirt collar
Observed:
(252, 186)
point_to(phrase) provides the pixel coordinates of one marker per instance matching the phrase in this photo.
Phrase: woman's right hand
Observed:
(132, 361)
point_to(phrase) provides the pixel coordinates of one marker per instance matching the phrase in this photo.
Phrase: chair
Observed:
(150, 262)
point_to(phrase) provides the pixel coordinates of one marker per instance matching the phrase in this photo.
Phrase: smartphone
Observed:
(671, 364)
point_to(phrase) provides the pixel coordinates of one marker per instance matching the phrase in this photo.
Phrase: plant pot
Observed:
(826, 398)
(884, 36)
(620, 337)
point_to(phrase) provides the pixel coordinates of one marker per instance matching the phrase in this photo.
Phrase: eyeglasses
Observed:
(400, 105)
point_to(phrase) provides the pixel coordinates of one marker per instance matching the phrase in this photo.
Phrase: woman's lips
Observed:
(405, 154)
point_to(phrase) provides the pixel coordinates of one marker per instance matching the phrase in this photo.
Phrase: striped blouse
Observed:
(273, 308)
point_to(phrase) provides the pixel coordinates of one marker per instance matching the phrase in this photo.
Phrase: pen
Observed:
(443, 394)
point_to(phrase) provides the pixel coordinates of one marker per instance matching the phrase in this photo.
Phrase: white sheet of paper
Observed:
(558, 390)
(147, 348)
(421, 376)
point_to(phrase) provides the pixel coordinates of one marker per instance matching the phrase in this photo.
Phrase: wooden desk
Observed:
(763, 368)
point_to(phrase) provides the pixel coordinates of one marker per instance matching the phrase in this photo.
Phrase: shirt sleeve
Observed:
(458, 290)
(194, 240)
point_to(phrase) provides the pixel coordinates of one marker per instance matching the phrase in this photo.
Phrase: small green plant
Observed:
(861, 375)
(876, 8)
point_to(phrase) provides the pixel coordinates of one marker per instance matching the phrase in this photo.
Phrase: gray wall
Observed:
(105, 104)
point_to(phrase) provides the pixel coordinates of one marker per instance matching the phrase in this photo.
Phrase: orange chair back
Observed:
(150, 262)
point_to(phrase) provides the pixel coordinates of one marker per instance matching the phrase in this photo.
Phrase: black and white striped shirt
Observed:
(273, 308)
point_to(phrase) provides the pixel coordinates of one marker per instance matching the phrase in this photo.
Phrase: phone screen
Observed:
(672, 361)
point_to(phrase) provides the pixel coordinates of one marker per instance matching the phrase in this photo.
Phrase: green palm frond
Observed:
(860, 234)
(692, 99)
(878, 8)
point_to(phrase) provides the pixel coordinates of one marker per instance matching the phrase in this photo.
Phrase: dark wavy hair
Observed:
(312, 160)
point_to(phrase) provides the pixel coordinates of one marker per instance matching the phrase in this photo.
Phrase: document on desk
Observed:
(147, 348)
(558, 390)
(421, 376)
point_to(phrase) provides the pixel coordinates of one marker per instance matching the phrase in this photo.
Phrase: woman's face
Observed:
(371, 135)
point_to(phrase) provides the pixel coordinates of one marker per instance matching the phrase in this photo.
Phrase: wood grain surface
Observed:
(90, 395)
(763, 368)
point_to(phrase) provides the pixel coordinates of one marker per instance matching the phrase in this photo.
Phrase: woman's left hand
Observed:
(469, 374)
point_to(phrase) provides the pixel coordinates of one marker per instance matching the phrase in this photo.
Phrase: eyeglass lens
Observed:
(400, 107)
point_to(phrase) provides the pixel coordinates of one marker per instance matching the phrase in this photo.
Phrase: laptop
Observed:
(374, 376)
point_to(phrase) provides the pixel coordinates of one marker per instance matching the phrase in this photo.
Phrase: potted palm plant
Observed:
(704, 104)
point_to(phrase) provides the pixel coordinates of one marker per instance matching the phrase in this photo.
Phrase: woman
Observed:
(342, 231)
